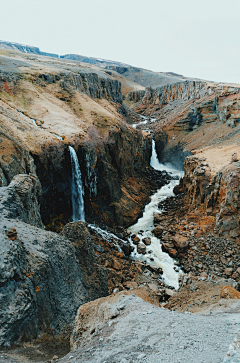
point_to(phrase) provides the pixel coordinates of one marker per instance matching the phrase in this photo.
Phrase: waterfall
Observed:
(155, 256)
(154, 162)
(77, 188)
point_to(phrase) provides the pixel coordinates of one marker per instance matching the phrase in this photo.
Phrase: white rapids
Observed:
(144, 122)
(145, 224)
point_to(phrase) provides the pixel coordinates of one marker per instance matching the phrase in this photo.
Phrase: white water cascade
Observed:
(77, 188)
(154, 254)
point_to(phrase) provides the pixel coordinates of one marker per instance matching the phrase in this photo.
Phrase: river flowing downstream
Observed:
(154, 254)
(144, 226)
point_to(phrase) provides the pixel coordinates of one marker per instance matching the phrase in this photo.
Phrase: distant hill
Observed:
(140, 76)
(104, 63)
(24, 48)
(148, 78)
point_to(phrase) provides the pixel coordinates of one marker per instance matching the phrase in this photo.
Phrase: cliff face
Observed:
(219, 195)
(115, 184)
(184, 90)
(163, 95)
(44, 277)
(189, 116)
(90, 83)
(46, 107)
(203, 120)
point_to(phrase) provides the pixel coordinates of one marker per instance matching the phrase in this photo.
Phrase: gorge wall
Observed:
(48, 105)
(190, 115)
(218, 194)
(196, 127)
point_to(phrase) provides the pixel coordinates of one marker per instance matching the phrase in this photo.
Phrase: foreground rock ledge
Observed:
(124, 328)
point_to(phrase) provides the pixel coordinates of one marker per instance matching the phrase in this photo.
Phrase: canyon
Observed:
(119, 212)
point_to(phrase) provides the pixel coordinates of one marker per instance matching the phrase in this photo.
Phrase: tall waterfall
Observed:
(154, 162)
(77, 188)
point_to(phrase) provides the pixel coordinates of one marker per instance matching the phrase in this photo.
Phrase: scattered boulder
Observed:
(155, 269)
(228, 292)
(12, 233)
(166, 247)
(116, 264)
(127, 249)
(158, 231)
(136, 240)
(234, 157)
(180, 242)
(169, 293)
(157, 218)
(153, 287)
(147, 241)
(228, 271)
(178, 189)
(130, 285)
(141, 248)
(173, 253)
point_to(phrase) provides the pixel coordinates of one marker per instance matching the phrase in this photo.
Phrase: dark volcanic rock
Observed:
(44, 277)
(21, 199)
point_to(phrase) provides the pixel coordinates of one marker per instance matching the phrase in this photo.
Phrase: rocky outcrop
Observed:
(45, 277)
(21, 200)
(183, 91)
(94, 85)
(87, 82)
(93, 316)
(116, 174)
(219, 195)
(127, 328)
(189, 115)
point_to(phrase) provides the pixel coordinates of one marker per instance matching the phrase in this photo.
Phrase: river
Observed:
(144, 226)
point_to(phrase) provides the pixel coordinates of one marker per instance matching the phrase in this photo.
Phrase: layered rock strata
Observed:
(190, 115)
(47, 105)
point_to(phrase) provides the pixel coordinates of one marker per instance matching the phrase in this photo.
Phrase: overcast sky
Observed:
(196, 38)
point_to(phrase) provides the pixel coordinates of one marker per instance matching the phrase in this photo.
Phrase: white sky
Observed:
(196, 38)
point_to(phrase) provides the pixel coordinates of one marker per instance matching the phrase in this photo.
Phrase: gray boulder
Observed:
(44, 277)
